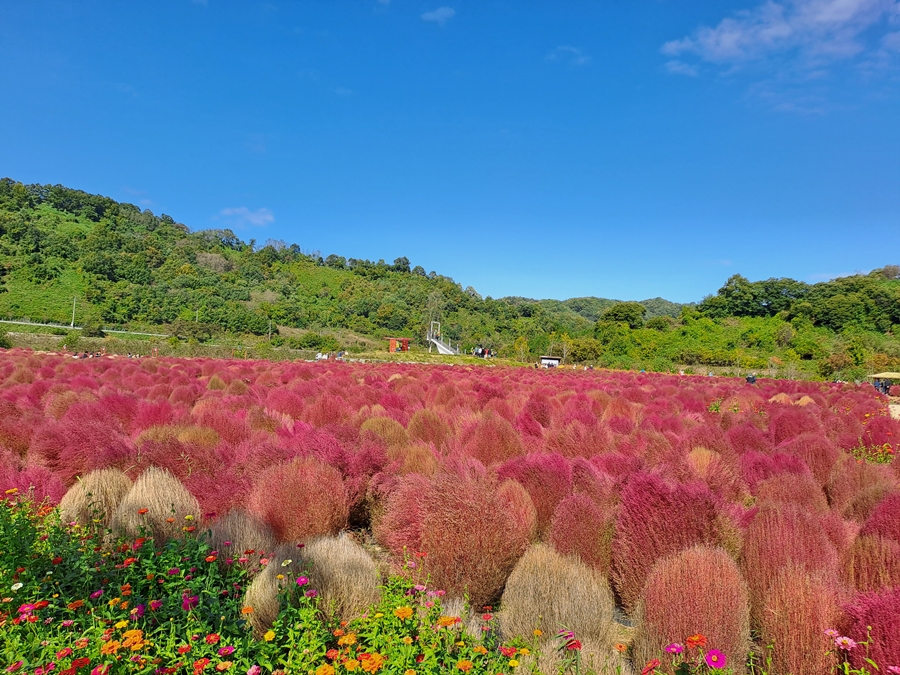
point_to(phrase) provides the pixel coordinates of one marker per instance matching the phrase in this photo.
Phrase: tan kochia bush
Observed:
(238, 531)
(387, 429)
(94, 495)
(595, 658)
(165, 499)
(552, 592)
(872, 563)
(698, 590)
(344, 575)
(799, 608)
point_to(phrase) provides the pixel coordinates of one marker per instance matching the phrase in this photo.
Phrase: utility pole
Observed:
(73, 311)
(270, 330)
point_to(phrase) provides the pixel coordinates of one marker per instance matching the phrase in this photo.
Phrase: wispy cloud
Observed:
(440, 16)
(241, 215)
(804, 34)
(568, 54)
(681, 68)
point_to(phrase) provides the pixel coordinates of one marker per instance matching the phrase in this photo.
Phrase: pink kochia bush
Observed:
(697, 590)
(547, 477)
(658, 518)
(457, 528)
(881, 611)
(301, 499)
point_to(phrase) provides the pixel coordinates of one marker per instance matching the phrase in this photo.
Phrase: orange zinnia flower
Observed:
(697, 640)
(110, 647)
(464, 665)
(246, 610)
(404, 612)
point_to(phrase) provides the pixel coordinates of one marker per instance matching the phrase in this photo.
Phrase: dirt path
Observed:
(895, 410)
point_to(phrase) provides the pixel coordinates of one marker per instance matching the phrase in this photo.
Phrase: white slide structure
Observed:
(434, 338)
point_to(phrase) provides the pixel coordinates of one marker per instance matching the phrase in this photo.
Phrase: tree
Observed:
(631, 313)
(401, 264)
(520, 347)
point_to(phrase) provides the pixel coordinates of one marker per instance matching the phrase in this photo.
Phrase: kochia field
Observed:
(754, 515)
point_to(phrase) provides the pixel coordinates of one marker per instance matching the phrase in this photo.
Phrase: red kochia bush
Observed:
(698, 590)
(885, 520)
(548, 479)
(799, 608)
(881, 611)
(779, 537)
(466, 526)
(656, 519)
(582, 528)
(819, 454)
(300, 499)
(491, 440)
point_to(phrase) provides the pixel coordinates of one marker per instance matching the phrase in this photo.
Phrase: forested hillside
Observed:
(130, 268)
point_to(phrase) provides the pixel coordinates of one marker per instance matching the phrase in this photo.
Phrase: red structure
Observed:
(398, 344)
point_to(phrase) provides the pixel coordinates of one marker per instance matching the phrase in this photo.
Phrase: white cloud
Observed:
(571, 55)
(439, 16)
(241, 215)
(681, 68)
(810, 32)
(891, 41)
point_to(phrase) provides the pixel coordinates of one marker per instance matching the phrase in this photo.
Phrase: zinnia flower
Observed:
(15, 666)
(464, 665)
(403, 613)
(188, 602)
(620, 647)
(715, 659)
(650, 667)
(224, 665)
(832, 633)
(254, 670)
(302, 581)
(225, 651)
(844, 643)
(675, 648)
(697, 640)
(96, 594)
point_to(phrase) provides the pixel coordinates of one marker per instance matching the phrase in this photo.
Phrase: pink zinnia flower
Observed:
(311, 593)
(225, 651)
(254, 670)
(155, 604)
(715, 659)
(895, 670)
(302, 581)
(14, 667)
(832, 633)
(188, 602)
(96, 594)
(675, 648)
(844, 643)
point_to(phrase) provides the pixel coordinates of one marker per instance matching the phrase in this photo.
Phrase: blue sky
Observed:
(545, 149)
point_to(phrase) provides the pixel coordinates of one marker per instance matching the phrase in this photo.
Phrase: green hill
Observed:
(128, 268)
